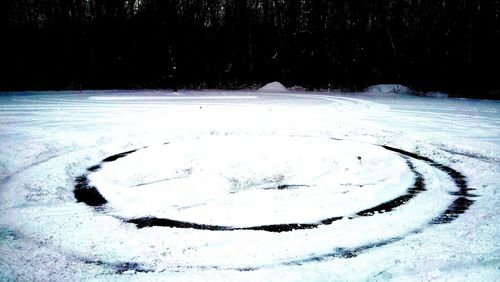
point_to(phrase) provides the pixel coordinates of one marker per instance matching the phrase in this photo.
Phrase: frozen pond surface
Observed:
(248, 186)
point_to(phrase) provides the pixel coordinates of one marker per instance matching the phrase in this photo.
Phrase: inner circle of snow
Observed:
(246, 181)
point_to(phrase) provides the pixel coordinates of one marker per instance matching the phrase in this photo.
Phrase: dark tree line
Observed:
(446, 45)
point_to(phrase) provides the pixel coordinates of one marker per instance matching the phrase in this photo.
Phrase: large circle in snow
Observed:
(252, 181)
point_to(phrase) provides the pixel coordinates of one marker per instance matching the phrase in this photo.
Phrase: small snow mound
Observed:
(389, 88)
(273, 87)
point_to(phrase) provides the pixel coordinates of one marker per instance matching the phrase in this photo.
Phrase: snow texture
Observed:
(248, 185)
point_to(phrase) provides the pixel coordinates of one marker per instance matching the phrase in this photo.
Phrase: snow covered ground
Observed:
(248, 185)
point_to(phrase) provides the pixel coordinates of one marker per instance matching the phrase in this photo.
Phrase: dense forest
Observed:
(429, 45)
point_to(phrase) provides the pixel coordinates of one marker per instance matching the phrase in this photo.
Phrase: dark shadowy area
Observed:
(117, 156)
(86, 193)
(429, 45)
(120, 267)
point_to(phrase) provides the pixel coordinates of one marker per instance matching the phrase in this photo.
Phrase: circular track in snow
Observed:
(315, 187)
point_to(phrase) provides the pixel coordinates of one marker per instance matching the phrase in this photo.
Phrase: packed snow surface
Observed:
(273, 87)
(248, 185)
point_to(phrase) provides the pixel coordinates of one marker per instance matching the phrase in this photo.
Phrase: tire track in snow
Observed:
(90, 195)
(459, 206)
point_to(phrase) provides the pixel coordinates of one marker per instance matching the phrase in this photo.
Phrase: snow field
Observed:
(225, 159)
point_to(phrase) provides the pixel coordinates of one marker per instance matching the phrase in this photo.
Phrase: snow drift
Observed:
(273, 87)
(389, 89)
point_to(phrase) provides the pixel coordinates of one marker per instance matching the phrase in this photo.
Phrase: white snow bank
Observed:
(274, 87)
(402, 90)
(389, 88)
